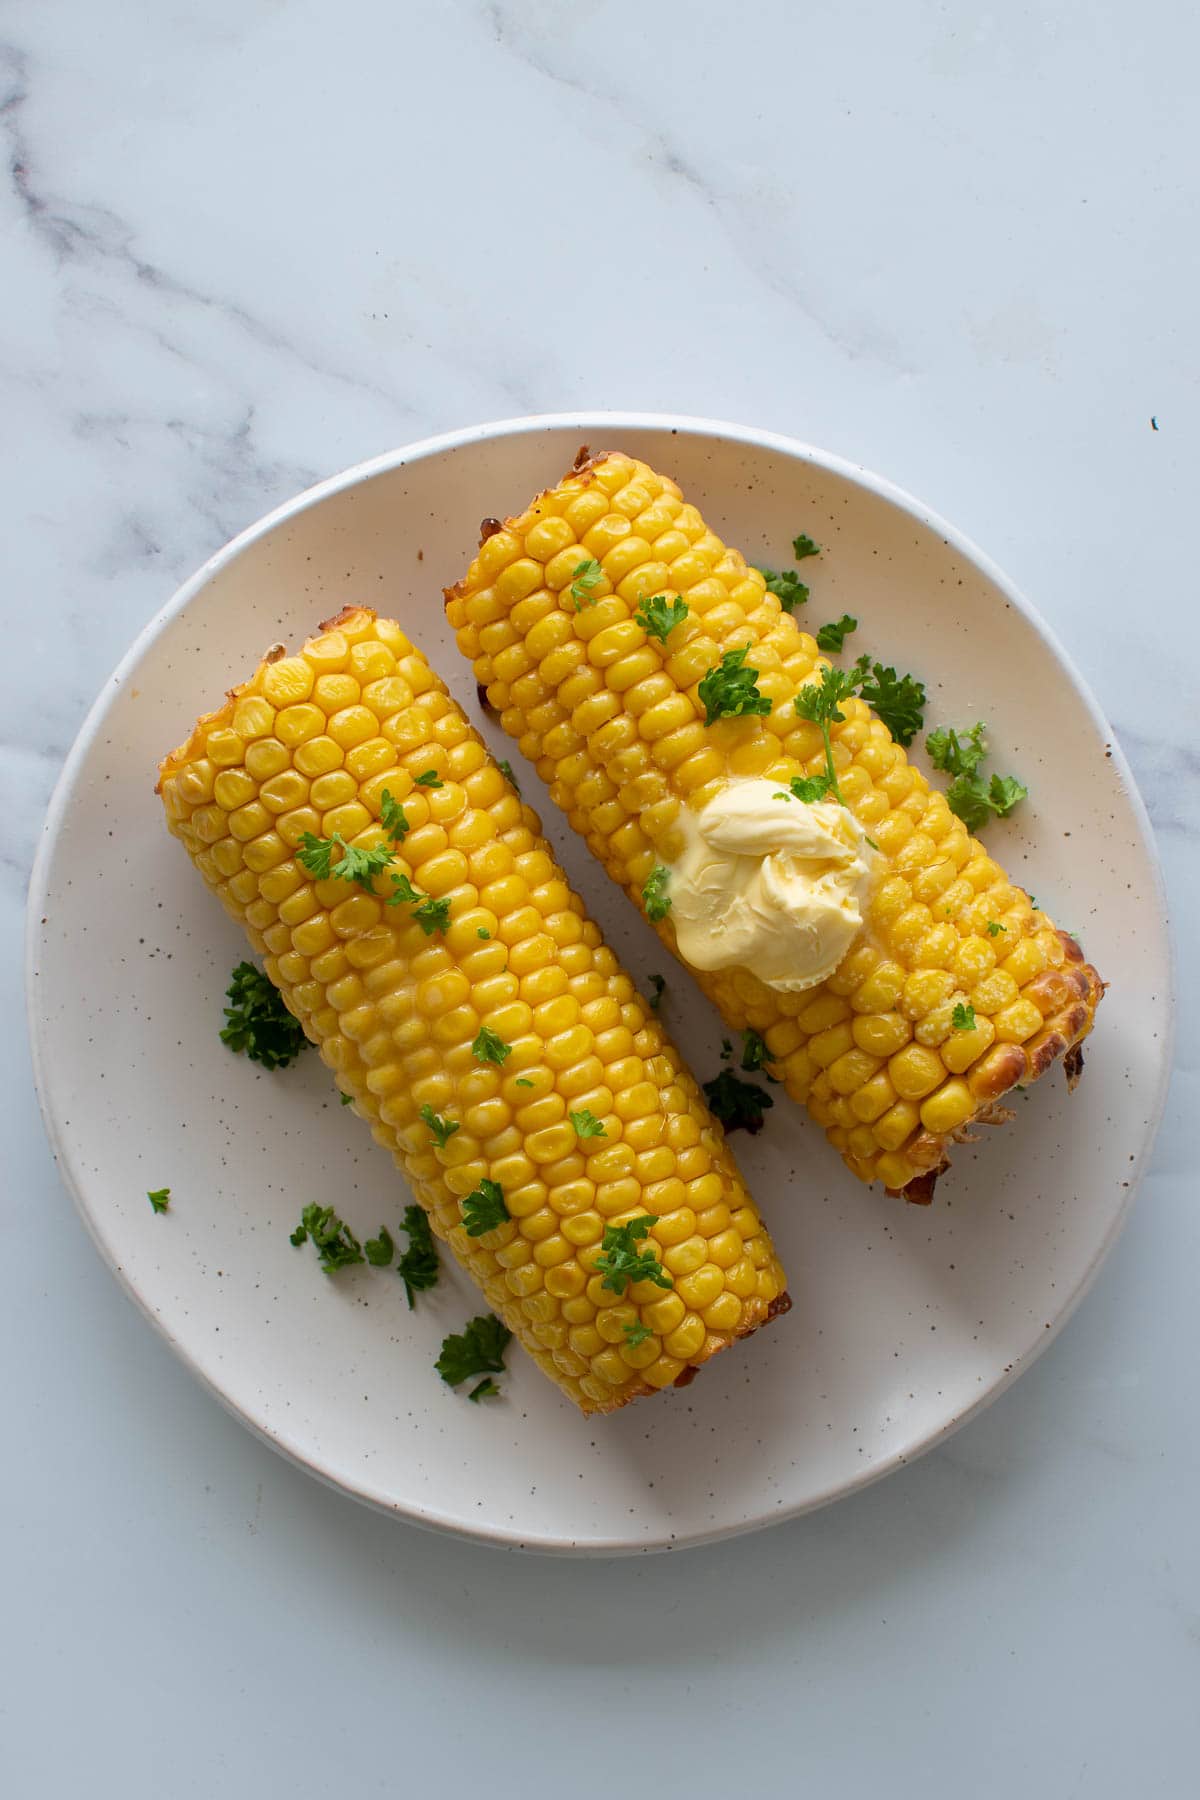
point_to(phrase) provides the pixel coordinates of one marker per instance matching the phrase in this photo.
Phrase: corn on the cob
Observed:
(310, 745)
(613, 722)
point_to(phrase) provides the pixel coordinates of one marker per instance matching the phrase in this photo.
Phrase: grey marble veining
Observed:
(245, 244)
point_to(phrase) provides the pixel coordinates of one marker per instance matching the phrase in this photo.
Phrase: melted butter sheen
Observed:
(769, 884)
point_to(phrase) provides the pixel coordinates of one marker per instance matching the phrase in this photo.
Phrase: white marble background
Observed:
(246, 242)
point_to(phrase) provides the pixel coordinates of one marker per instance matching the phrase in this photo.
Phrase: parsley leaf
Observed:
(428, 778)
(488, 1048)
(899, 700)
(660, 988)
(392, 818)
(380, 1250)
(316, 854)
(738, 1104)
(484, 1209)
(334, 1242)
(483, 1390)
(811, 787)
(433, 915)
(478, 1349)
(506, 769)
(636, 1333)
(659, 616)
(832, 637)
(955, 755)
(523, 1081)
(586, 1124)
(786, 586)
(994, 928)
(418, 1267)
(755, 1054)
(655, 897)
(403, 892)
(820, 702)
(730, 691)
(258, 1022)
(803, 546)
(346, 1099)
(963, 1017)
(586, 575)
(621, 1261)
(159, 1198)
(1004, 792)
(481, 933)
(442, 1129)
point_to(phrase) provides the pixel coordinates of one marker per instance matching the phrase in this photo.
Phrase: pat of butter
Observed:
(768, 883)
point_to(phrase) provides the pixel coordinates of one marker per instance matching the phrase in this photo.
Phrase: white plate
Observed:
(906, 1319)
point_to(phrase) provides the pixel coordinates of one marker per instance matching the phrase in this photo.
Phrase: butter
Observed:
(769, 884)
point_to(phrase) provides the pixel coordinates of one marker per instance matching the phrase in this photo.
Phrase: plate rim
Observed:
(588, 421)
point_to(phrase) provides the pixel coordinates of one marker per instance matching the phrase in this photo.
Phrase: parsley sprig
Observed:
(380, 1250)
(488, 1048)
(332, 1239)
(970, 796)
(636, 1333)
(428, 778)
(418, 1267)
(257, 1021)
(316, 855)
(832, 637)
(659, 616)
(622, 1260)
(660, 987)
(484, 1208)
(478, 1349)
(393, 818)
(821, 703)
(655, 897)
(442, 1130)
(586, 1124)
(159, 1198)
(730, 690)
(899, 700)
(963, 1017)
(585, 576)
(738, 1104)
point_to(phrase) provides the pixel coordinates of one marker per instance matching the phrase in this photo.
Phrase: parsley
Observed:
(738, 1104)
(833, 637)
(488, 1048)
(316, 854)
(730, 691)
(659, 616)
(481, 933)
(484, 1209)
(803, 546)
(660, 988)
(636, 1333)
(586, 1124)
(403, 892)
(821, 702)
(1032, 901)
(432, 915)
(380, 1250)
(899, 700)
(812, 787)
(786, 586)
(258, 1022)
(522, 1081)
(332, 1239)
(506, 769)
(622, 1262)
(655, 897)
(429, 778)
(755, 1054)
(726, 1049)
(478, 1349)
(955, 755)
(159, 1198)
(392, 818)
(442, 1129)
(483, 1390)
(418, 1267)
(1005, 792)
(586, 575)
(969, 796)
(963, 1017)
(994, 928)
(346, 1099)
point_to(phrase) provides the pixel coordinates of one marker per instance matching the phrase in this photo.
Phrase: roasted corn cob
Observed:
(614, 723)
(397, 1008)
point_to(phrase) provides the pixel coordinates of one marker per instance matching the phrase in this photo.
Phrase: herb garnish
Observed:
(755, 1054)
(820, 702)
(586, 1124)
(636, 1333)
(392, 818)
(786, 586)
(730, 690)
(738, 1104)
(258, 1022)
(832, 637)
(484, 1209)
(660, 988)
(380, 1250)
(418, 1267)
(506, 769)
(332, 1239)
(587, 575)
(478, 1349)
(963, 1017)
(488, 1048)
(659, 616)
(803, 546)
(899, 700)
(994, 928)
(316, 854)
(969, 796)
(432, 915)
(621, 1261)
(429, 778)
(483, 1390)
(442, 1129)
(159, 1198)
(655, 897)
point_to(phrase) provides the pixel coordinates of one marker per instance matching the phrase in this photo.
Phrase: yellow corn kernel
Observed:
(1015, 1023)
(897, 1125)
(915, 1071)
(949, 1107)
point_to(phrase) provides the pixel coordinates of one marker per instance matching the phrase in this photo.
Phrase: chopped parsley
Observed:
(812, 787)
(484, 1209)
(488, 1048)
(432, 915)
(392, 818)
(963, 1017)
(506, 769)
(755, 1054)
(403, 892)
(332, 1239)
(803, 546)
(418, 1267)
(429, 778)
(636, 1333)
(832, 637)
(730, 691)
(478, 1349)
(316, 854)
(994, 928)
(786, 586)
(524, 1081)
(482, 933)
(258, 1022)
(969, 796)
(346, 1099)
(738, 1104)
(442, 1129)
(585, 576)
(380, 1250)
(899, 700)
(659, 616)
(586, 1124)
(655, 897)
(660, 988)
(621, 1261)
(159, 1198)
(484, 1390)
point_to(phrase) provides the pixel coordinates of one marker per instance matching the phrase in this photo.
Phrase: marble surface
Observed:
(245, 244)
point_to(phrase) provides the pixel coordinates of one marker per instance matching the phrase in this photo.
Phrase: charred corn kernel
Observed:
(617, 731)
(395, 1012)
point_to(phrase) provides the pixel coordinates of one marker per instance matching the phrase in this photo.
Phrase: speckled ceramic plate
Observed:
(906, 1320)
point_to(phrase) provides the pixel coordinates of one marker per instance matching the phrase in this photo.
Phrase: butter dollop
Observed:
(769, 883)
